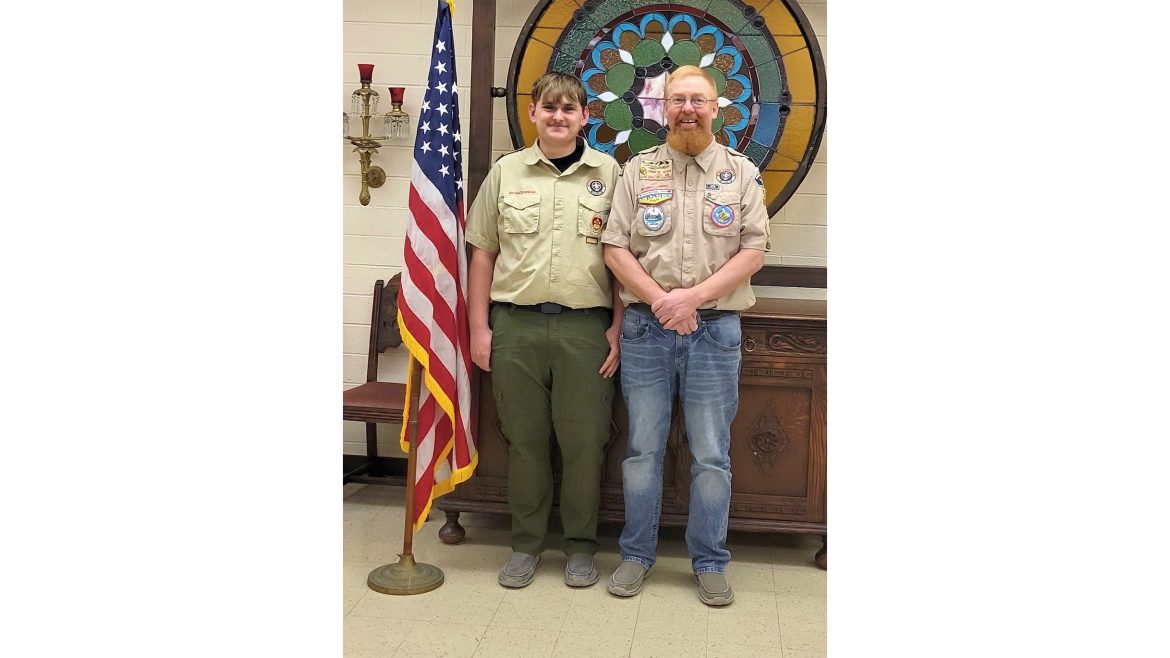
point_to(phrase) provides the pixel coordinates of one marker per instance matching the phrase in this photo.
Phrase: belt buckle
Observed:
(550, 308)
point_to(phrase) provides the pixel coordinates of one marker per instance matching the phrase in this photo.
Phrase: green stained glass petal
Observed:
(619, 78)
(685, 52)
(618, 116)
(648, 52)
(717, 123)
(720, 79)
(642, 139)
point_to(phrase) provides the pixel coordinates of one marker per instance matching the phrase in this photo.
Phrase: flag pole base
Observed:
(405, 577)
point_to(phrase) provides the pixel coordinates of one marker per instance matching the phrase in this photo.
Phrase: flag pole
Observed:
(407, 576)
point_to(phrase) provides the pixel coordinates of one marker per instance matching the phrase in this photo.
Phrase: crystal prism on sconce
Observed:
(397, 120)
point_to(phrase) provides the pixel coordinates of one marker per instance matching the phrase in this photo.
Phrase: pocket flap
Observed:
(722, 198)
(521, 201)
(600, 204)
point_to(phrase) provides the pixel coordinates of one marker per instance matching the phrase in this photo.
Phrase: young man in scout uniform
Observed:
(688, 229)
(550, 337)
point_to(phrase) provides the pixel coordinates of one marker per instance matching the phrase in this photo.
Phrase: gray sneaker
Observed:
(519, 570)
(627, 579)
(714, 588)
(580, 572)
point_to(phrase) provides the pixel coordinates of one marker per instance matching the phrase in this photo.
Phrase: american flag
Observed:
(432, 302)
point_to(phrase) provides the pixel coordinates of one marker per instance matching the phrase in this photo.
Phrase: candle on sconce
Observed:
(396, 94)
(366, 71)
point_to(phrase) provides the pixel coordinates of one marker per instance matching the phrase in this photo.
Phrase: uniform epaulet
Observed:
(735, 152)
(647, 150)
(504, 155)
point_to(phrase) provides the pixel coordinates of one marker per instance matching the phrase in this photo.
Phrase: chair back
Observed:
(383, 323)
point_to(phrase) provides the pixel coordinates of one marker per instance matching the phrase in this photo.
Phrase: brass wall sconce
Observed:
(396, 124)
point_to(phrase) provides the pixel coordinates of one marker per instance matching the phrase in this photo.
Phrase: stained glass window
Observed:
(766, 63)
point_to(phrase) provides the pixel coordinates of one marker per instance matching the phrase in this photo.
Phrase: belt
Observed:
(550, 308)
(704, 313)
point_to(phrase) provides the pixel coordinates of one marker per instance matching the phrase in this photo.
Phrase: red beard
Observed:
(691, 142)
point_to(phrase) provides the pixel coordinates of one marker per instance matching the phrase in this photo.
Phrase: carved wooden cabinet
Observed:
(778, 437)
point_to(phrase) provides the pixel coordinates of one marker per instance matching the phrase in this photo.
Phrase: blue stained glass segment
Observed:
(767, 123)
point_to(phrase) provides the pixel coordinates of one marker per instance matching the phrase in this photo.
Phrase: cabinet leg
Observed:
(822, 558)
(452, 532)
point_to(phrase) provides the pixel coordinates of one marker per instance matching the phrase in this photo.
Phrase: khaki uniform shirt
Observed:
(545, 227)
(683, 217)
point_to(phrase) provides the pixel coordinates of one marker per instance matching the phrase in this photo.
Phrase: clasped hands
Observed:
(677, 311)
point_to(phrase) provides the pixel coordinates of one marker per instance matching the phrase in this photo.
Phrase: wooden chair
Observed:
(377, 402)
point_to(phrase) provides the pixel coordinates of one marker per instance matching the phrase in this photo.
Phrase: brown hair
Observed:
(688, 71)
(555, 85)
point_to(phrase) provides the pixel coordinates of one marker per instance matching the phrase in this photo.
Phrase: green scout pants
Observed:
(545, 379)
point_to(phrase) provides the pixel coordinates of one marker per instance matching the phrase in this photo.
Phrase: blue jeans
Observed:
(703, 369)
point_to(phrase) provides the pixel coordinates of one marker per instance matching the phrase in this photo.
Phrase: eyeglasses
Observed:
(697, 102)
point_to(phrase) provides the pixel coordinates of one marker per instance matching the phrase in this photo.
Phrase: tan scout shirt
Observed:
(684, 217)
(545, 227)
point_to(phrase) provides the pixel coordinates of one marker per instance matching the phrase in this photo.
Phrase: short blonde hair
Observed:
(554, 85)
(688, 71)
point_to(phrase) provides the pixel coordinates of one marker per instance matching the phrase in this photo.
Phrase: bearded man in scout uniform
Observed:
(688, 229)
(550, 336)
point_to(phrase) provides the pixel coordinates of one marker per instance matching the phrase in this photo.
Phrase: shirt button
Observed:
(690, 184)
(688, 240)
(690, 211)
(686, 269)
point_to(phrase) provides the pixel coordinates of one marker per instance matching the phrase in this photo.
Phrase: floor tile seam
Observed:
(402, 637)
(365, 592)
(489, 624)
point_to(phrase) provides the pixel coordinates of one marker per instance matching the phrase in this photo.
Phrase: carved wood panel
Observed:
(778, 451)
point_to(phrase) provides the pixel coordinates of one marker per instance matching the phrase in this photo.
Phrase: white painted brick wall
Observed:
(395, 36)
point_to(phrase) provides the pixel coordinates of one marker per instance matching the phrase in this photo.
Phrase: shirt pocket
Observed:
(592, 215)
(721, 213)
(520, 213)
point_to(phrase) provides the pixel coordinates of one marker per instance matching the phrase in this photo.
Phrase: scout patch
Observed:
(596, 224)
(713, 186)
(722, 216)
(589, 240)
(725, 176)
(760, 181)
(653, 218)
(657, 170)
(596, 187)
(655, 197)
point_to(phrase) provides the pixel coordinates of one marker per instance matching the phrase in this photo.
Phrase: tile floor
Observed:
(779, 607)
